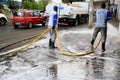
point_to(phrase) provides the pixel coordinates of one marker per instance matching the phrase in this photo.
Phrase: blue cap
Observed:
(55, 7)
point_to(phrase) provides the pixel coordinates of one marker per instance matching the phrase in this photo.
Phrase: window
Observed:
(34, 14)
(31, 14)
(20, 14)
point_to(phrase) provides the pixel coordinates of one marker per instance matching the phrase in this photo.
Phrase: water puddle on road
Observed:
(94, 69)
(87, 68)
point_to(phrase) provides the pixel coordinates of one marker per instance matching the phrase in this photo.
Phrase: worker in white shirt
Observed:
(53, 23)
(102, 16)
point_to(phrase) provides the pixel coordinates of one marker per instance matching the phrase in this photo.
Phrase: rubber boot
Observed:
(53, 45)
(92, 43)
(50, 42)
(103, 47)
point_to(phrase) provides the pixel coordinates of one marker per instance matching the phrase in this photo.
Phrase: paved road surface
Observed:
(9, 35)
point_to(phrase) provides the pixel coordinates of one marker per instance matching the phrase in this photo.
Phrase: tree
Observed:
(71, 0)
(34, 5)
(30, 4)
(27, 4)
(43, 3)
(1, 6)
(12, 5)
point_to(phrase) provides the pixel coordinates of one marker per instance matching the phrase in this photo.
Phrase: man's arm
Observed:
(108, 15)
(54, 21)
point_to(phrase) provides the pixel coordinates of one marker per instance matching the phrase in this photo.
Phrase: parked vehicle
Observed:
(27, 18)
(70, 14)
(41, 12)
(3, 19)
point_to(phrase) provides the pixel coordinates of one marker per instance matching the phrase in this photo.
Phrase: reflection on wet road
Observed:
(92, 69)
(38, 62)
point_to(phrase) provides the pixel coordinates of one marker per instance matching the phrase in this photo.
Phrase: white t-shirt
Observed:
(52, 19)
(101, 16)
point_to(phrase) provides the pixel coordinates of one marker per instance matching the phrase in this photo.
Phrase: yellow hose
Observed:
(74, 54)
(26, 46)
(59, 46)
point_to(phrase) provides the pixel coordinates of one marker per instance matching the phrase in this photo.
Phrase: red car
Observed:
(27, 18)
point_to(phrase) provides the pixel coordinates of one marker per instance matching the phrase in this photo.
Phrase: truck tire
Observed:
(70, 23)
(87, 19)
(76, 21)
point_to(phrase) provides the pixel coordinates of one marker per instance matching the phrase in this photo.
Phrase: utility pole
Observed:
(119, 19)
(90, 24)
(22, 4)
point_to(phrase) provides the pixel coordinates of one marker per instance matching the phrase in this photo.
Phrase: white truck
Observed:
(70, 13)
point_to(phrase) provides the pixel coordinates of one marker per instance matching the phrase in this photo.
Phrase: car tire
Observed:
(2, 21)
(30, 25)
(43, 23)
(15, 26)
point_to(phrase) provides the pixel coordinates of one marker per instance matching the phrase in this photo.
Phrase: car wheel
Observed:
(30, 25)
(15, 26)
(2, 21)
(43, 23)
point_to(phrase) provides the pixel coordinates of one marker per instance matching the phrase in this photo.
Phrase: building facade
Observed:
(17, 2)
(4, 1)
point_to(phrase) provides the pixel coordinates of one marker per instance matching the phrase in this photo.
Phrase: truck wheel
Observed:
(30, 25)
(70, 23)
(87, 19)
(76, 22)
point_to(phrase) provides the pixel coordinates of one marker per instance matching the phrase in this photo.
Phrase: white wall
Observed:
(114, 1)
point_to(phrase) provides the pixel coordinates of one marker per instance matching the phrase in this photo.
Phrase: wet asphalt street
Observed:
(11, 38)
(38, 62)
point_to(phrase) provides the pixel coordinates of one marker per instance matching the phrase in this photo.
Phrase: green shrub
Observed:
(1, 6)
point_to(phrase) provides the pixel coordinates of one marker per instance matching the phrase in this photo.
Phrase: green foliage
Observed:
(71, 0)
(43, 3)
(27, 4)
(12, 5)
(1, 6)
(31, 4)
(35, 5)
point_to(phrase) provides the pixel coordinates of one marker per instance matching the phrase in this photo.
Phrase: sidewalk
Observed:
(114, 22)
